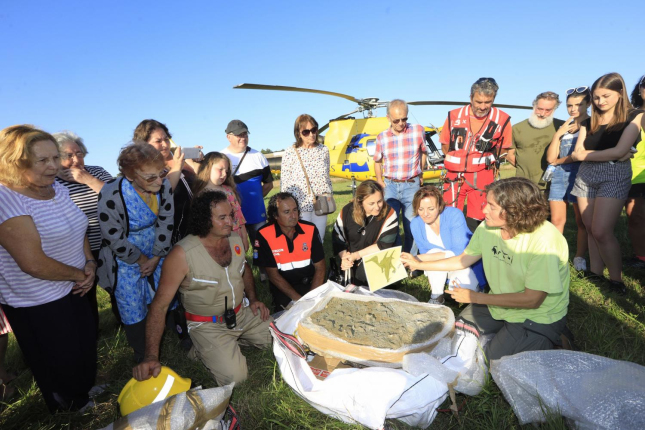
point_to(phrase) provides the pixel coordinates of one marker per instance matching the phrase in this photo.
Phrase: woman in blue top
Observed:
(564, 176)
(440, 232)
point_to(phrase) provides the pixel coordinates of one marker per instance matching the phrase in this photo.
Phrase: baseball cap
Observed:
(236, 127)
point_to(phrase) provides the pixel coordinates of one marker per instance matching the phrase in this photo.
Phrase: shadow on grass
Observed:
(602, 323)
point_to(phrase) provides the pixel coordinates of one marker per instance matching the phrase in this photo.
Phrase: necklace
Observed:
(43, 193)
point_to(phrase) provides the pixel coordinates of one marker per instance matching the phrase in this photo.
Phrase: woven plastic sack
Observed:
(593, 391)
(367, 396)
(458, 357)
(203, 409)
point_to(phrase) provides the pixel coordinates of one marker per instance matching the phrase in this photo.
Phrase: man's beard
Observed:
(537, 122)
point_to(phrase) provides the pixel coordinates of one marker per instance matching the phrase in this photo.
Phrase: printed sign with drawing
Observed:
(384, 268)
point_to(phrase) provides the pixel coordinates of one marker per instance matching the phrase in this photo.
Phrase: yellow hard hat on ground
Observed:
(138, 394)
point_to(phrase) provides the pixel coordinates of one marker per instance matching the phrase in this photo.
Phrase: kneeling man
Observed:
(526, 262)
(290, 250)
(209, 269)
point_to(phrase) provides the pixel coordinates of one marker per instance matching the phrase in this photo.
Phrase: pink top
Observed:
(238, 219)
(62, 228)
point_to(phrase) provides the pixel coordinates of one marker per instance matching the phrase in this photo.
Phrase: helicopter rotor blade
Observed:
(326, 126)
(296, 89)
(442, 103)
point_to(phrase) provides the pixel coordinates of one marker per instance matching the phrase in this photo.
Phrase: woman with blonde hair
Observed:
(214, 174)
(47, 269)
(364, 226)
(605, 175)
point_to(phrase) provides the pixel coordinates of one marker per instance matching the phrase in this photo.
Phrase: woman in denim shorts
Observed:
(604, 177)
(559, 155)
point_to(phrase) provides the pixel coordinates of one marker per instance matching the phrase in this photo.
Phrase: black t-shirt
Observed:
(350, 236)
(603, 139)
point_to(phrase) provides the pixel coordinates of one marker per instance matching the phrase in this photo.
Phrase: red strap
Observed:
(215, 319)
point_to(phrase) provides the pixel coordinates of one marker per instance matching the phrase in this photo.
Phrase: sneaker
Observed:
(618, 287)
(438, 301)
(591, 276)
(97, 390)
(91, 404)
(580, 263)
(634, 263)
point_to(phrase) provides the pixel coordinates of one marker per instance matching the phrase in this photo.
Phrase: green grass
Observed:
(603, 324)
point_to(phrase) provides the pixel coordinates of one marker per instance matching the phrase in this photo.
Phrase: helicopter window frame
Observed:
(370, 146)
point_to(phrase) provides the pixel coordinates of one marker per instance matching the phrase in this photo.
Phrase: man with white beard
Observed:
(532, 137)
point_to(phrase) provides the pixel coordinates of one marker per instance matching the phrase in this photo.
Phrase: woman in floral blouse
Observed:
(315, 158)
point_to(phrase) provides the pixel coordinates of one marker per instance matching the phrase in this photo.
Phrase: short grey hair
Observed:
(486, 86)
(548, 95)
(65, 136)
(396, 103)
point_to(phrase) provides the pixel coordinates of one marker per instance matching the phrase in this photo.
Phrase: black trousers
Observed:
(58, 341)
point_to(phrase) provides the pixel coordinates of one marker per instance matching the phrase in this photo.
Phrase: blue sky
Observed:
(99, 68)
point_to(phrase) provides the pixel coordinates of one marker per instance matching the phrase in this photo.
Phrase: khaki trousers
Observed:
(219, 347)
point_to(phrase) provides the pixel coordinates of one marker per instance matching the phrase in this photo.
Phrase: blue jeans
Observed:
(399, 196)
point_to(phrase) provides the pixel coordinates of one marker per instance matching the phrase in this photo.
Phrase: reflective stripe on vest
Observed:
(300, 256)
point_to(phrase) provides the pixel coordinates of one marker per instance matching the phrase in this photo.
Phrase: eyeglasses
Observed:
(151, 179)
(68, 155)
(396, 121)
(579, 90)
(306, 132)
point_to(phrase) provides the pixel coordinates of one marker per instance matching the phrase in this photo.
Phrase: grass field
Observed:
(603, 324)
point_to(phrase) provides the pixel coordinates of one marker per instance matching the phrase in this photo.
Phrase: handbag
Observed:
(324, 203)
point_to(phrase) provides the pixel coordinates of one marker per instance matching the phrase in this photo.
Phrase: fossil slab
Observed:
(373, 329)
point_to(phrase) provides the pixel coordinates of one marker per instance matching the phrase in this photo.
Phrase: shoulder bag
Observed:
(324, 204)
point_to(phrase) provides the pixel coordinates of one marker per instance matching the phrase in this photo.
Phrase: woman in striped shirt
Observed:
(47, 268)
(84, 184)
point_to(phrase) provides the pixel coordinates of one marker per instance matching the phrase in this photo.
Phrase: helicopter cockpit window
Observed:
(371, 147)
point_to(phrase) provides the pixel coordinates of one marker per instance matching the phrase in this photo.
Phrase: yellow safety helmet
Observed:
(138, 394)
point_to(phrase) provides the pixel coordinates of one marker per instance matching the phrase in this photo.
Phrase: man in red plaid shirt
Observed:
(398, 163)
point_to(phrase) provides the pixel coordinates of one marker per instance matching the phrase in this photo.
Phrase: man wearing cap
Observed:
(399, 158)
(532, 137)
(290, 251)
(252, 175)
(473, 138)
(209, 269)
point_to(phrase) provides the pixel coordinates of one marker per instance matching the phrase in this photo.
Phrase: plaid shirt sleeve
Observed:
(378, 150)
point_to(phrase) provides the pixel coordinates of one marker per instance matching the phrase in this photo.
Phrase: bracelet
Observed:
(91, 261)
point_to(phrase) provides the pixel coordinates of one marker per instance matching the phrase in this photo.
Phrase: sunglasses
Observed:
(642, 83)
(306, 132)
(396, 121)
(578, 90)
(151, 179)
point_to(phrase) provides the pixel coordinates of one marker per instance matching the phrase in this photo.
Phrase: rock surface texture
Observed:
(390, 325)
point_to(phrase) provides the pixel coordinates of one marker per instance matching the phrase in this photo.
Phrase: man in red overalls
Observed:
(473, 138)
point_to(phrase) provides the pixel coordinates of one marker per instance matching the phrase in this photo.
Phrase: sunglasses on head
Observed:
(642, 82)
(578, 90)
(396, 121)
(306, 132)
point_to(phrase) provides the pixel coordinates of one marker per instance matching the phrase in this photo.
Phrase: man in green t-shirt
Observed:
(526, 264)
(532, 137)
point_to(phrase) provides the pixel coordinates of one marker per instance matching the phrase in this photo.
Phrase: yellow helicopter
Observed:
(352, 141)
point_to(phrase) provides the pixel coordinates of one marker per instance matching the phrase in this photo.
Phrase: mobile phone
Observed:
(192, 153)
